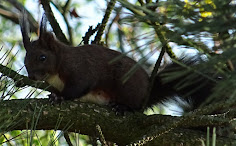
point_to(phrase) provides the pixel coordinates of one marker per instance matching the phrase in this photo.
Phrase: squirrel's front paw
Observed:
(54, 98)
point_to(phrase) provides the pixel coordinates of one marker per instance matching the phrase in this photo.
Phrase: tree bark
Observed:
(75, 116)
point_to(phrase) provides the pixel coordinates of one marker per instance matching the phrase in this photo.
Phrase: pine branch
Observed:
(89, 33)
(101, 29)
(22, 81)
(144, 15)
(84, 117)
(115, 19)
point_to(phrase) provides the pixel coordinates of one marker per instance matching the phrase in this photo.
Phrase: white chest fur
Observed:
(98, 97)
(95, 98)
(56, 82)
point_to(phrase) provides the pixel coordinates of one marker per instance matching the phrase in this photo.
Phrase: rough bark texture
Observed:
(83, 118)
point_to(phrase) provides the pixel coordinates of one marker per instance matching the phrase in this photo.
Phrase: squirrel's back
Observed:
(108, 72)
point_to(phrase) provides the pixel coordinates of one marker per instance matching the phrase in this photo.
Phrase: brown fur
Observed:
(84, 70)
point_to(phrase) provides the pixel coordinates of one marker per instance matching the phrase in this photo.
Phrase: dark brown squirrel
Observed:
(86, 72)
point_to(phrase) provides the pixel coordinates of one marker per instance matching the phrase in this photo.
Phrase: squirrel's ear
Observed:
(24, 25)
(47, 37)
(43, 26)
(44, 35)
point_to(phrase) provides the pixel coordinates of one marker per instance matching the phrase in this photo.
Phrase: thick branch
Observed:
(83, 117)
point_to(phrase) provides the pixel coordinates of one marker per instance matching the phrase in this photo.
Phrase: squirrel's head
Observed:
(41, 55)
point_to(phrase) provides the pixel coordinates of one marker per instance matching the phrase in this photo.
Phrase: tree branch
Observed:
(84, 117)
(7, 13)
(55, 26)
(154, 73)
(89, 33)
(22, 81)
(115, 19)
(64, 10)
(101, 29)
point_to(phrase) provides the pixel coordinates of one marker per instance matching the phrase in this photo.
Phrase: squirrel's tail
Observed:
(181, 80)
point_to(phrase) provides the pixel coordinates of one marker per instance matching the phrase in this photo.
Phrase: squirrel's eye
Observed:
(42, 57)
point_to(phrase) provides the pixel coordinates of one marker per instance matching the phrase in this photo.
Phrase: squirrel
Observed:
(86, 72)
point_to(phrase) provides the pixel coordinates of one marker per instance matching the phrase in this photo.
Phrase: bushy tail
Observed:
(181, 80)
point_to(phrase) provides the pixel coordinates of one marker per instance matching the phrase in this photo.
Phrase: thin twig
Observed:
(89, 33)
(101, 29)
(66, 7)
(64, 11)
(67, 138)
(115, 19)
(154, 73)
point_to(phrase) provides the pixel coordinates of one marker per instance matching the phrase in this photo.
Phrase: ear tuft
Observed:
(25, 29)
(44, 35)
(47, 37)
(43, 26)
